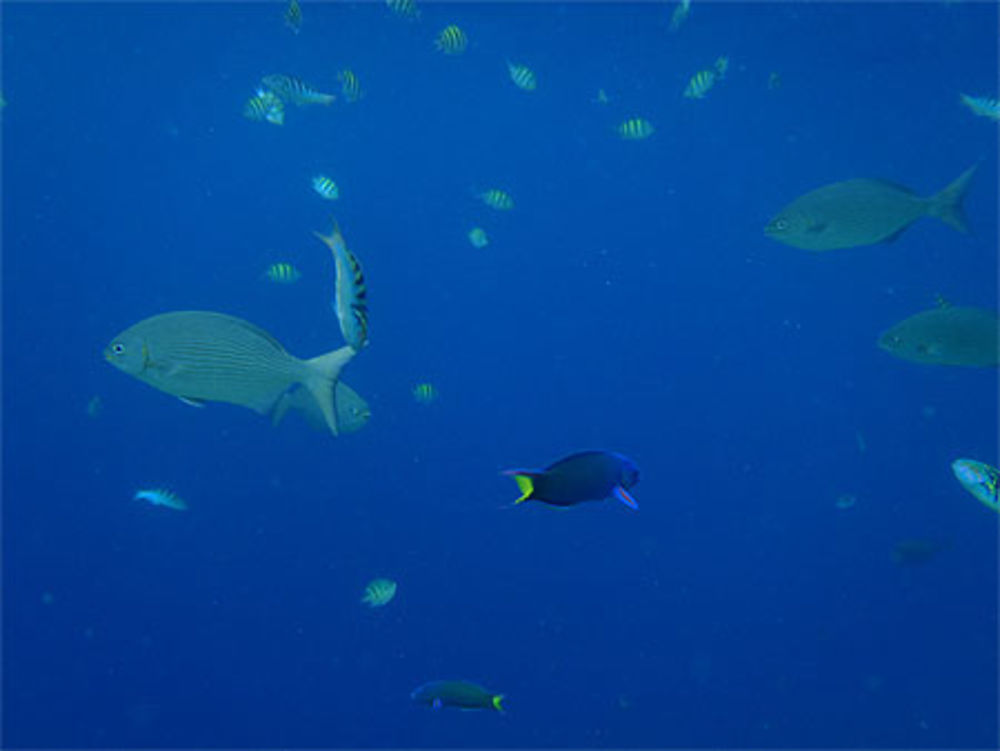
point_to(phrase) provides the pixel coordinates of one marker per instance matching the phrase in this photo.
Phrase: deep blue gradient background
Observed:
(630, 301)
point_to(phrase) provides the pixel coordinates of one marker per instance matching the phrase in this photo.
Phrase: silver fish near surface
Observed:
(202, 356)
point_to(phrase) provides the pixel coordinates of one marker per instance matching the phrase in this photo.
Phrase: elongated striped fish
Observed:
(350, 301)
(522, 76)
(161, 497)
(293, 90)
(982, 106)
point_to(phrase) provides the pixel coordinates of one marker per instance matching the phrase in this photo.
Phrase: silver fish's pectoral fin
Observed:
(193, 402)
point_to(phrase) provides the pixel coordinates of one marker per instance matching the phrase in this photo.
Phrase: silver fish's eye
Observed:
(780, 224)
(118, 348)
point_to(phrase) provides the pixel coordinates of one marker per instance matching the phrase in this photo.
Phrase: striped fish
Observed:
(350, 302)
(451, 41)
(522, 76)
(636, 129)
(404, 9)
(350, 87)
(700, 84)
(282, 273)
(265, 106)
(201, 356)
(497, 199)
(680, 14)
(326, 187)
(293, 16)
(295, 91)
(161, 497)
(379, 593)
(425, 393)
(982, 106)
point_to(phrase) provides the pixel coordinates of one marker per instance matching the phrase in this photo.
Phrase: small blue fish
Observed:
(161, 497)
(326, 187)
(982, 106)
(587, 476)
(980, 479)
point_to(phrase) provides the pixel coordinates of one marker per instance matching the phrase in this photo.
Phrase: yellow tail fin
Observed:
(525, 485)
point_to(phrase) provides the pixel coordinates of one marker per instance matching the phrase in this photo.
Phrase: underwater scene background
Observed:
(803, 568)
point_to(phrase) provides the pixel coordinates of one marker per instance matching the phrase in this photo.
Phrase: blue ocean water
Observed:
(630, 301)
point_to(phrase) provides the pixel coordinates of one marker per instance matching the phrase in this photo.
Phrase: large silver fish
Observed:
(201, 356)
(863, 212)
(946, 336)
(350, 302)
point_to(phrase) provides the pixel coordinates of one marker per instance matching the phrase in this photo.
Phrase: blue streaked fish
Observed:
(282, 273)
(425, 393)
(350, 302)
(680, 14)
(293, 16)
(497, 199)
(201, 356)
(458, 694)
(982, 106)
(295, 91)
(265, 106)
(161, 497)
(635, 129)
(478, 238)
(980, 479)
(379, 593)
(404, 9)
(522, 76)
(451, 40)
(326, 187)
(700, 84)
(350, 87)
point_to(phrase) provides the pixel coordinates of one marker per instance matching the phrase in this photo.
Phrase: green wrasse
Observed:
(201, 356)
(863, 212)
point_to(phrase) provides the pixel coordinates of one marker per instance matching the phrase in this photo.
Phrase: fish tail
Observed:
(498, 703)
(525, 484)
(321, 380)
(947, 205)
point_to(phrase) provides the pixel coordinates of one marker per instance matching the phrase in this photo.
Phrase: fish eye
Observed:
(780, 224)
(118, 348)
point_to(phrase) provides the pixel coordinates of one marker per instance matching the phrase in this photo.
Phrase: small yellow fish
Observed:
(522, 76)
(636, 129)
(379, 593)
(265, 106)
(680, 14)
(497, 199)
(982, 106)
(478, 238)
(700, 84)
(451, 41)
(425, 393)
(404, 9)
(293, 16)
(161, 497)
(326, 187)
(350, 87)
(282, 273)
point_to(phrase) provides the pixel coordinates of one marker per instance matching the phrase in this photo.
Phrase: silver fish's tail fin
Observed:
(947, 205)
(321, 380)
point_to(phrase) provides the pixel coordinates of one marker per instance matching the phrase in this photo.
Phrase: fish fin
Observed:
(947, 205)
(321, 380)
(895, 235)
(281, 408)
(498, 703)
(623, 495)
(192, 401)
(333, 238)
(525, 484)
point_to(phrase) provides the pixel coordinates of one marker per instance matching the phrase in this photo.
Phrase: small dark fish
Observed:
(863, 212)
(587, 476)
(946, 336)
(458, 694)
(916, 551)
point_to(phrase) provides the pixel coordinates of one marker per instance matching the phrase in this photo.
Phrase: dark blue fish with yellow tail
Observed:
(587, 476)
(458, 694)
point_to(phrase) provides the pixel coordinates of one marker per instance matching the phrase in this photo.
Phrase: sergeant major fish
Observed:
(863, 212)
(201, 356)
(350, 302)
(293, 90)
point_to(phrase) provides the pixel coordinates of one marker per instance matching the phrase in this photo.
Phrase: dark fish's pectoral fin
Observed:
(623, 495)
(193, 402)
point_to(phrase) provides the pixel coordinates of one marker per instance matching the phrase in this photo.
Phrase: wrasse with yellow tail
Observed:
(294, 91)
(982, 106)
(451, 41)
(282, 273)
(522, 76)
(350, 302)
(635, 129)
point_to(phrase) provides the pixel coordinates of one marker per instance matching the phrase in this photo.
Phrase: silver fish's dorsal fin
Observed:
(192, 402)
